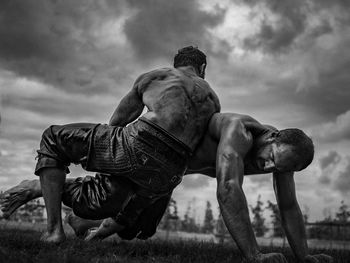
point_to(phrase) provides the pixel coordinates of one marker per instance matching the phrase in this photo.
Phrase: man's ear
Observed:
(202, 70)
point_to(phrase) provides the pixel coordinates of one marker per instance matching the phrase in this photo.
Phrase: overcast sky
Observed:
(286, 63)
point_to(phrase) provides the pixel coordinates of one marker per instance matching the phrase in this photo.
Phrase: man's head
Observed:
(191, 56)
(284, 151)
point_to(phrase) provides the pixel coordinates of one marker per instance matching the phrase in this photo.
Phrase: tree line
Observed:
(336, 228)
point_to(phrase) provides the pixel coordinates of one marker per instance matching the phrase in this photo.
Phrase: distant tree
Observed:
(276, 219)
(343, 214)
(306, 214)
(188, 224)
(170, 218)
(258, 223)
(327, 213)
(208, 225)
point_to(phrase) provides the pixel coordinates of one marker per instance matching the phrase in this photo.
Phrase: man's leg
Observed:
(52, 182)
(51, 188)
(60, 146)
(28, 190)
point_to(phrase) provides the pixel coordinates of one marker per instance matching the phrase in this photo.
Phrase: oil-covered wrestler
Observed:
(234, 145)
(152, 152)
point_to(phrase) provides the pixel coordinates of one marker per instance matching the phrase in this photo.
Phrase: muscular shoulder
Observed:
(225, 126)
(145, 79)
(154, 74)
(221, 122)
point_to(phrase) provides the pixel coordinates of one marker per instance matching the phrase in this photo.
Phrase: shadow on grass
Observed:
(24, 246)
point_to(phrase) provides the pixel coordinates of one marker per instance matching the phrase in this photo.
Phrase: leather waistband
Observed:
(165, 137)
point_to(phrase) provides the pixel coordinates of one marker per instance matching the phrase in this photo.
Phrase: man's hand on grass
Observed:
(319, 258)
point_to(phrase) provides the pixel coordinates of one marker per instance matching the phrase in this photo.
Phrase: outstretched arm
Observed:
(292, 218)
(130, 107)
(234, 143)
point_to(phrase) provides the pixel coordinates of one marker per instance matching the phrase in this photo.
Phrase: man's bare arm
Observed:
(292, 218)
(231, 198)
(130, 107)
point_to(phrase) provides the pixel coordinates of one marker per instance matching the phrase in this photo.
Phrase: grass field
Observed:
(19, 245)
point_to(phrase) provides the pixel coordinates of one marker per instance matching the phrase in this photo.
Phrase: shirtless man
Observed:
(237, 145)
(234, 145)
(153, 152)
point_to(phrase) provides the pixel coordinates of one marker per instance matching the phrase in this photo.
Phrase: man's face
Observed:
(273, 157)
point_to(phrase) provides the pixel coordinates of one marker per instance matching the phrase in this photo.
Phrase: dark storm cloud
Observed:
(332, 158)
(56, 107)
(335, 172)
(317, 86)
(323, 28)
(292, 20)
(277, 36)
(53, 40)
(342, 7)
(159, 28)
(334, 131)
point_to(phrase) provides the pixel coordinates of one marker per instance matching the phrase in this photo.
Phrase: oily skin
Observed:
(178, 99)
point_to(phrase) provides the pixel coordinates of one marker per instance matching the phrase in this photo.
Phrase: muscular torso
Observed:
(179, 101)
(204, 158)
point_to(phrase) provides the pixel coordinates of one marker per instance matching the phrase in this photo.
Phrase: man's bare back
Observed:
(178, 100)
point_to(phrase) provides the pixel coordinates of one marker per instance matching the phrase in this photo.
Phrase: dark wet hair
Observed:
(302, 145)
(190, 56)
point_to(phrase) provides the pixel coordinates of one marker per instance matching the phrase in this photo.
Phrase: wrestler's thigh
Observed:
(96, 197)
(73, 140)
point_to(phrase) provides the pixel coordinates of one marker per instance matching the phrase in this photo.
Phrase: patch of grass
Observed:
(24, 246)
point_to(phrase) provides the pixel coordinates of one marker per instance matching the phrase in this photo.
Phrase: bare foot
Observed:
(55, 237)
(13, 198)
(80, 225)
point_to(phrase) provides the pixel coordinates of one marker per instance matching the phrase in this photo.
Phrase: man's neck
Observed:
(189, 69)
